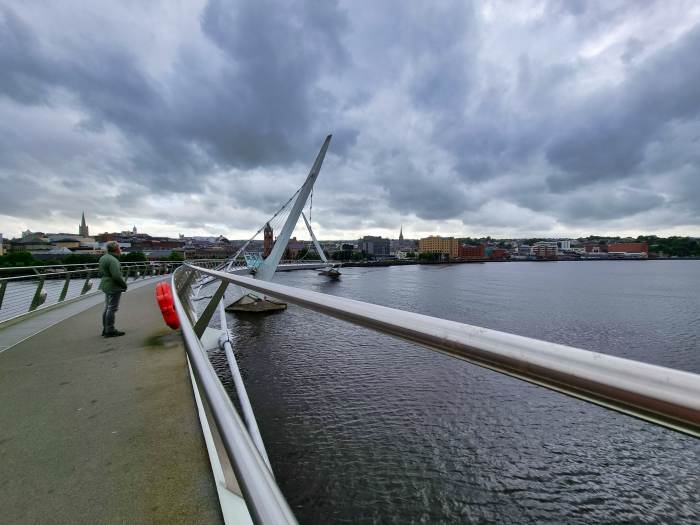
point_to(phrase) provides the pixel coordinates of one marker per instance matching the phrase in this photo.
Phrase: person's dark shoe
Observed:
(115, 333)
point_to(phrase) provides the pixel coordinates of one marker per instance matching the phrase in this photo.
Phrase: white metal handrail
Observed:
(264, 500)
(661, 395)
(48, 268)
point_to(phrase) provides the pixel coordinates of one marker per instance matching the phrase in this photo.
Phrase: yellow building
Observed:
(435, 244)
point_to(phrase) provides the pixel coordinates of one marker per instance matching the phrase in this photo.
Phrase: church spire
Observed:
(83, 228)
(401, 233)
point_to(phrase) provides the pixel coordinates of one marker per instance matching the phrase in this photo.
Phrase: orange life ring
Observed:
(164, 296)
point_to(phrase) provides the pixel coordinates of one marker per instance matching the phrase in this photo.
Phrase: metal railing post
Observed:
(36, 300)
(211, 307)
(86, 285)
(64, 291)
(3, 287)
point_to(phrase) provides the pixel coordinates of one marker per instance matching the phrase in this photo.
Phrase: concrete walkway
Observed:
(96, 430)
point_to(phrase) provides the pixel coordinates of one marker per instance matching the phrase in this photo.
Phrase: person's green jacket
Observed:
(111, 273)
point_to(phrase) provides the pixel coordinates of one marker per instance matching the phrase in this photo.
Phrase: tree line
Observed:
(19, 259)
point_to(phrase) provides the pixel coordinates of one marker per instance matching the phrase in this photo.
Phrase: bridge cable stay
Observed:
(228, 265)
(275, 221)
(313, 238)
(273, 218)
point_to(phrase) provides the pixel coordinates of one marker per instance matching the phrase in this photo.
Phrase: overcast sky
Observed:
(549, 118)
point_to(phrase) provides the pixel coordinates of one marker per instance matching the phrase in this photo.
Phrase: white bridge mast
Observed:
(269, 266)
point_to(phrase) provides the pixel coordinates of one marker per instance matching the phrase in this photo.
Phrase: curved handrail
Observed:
(263, 497)
(661, 395)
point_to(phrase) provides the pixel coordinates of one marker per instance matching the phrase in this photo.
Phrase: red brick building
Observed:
(466, 251)
(628, 247)
(499, 254)
(595, 248)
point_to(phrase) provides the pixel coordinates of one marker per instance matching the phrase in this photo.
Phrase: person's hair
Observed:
(112, 246)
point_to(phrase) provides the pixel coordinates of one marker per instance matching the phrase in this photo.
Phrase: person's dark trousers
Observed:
(111, 307)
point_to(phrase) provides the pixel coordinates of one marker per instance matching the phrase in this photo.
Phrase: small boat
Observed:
(331, 272)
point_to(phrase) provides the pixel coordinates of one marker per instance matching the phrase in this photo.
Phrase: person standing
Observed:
(113, 285)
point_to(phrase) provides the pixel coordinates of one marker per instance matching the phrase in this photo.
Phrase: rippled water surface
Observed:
(363, 428)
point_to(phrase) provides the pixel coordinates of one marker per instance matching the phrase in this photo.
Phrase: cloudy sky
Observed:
(488, 118)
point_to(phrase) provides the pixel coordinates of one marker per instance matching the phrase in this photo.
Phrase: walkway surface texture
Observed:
(96, 430)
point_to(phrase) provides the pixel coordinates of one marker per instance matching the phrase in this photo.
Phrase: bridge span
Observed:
(140, 429)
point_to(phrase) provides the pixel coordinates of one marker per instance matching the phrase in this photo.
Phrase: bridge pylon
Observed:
(265, 271)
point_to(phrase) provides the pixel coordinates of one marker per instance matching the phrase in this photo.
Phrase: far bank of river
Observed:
(394, 262)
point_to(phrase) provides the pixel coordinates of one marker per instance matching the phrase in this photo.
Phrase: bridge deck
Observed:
(96, 430)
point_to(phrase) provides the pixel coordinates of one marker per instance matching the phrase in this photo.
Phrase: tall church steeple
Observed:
(83, 228)
(401, 233)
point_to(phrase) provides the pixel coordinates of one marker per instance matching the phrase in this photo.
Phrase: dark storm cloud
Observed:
(613, 129)
(428, 194)
(535, 115)
(609, 205)
(264, 103)
(256, 109)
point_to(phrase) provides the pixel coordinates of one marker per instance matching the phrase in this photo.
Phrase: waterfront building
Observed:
(524, 250)
(545, 250)
(564, 245)
(83, 228)
(33, 244)
(445, 245)
(498, 254)
(638, 250)
(595, 248)
(293, 248)
(376, 246)
(67, 241)
(468, 251)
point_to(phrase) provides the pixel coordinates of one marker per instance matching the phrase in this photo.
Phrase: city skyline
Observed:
(535, 119)
(302, 235)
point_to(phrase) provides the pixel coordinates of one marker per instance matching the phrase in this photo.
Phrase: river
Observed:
(364, 428)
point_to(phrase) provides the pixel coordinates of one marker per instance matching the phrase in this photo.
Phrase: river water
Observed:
(363, 428)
